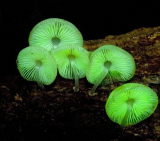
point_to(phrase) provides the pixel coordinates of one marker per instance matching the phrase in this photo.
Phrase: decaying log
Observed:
(143, 44)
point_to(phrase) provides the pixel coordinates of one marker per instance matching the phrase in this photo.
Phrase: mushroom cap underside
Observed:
(53, 32)
(141, 99)
(31, 57)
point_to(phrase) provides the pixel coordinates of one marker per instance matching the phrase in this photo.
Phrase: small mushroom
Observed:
(36, 64)
(72, 62)
(53, 32)
(109, 62)
(131, 103)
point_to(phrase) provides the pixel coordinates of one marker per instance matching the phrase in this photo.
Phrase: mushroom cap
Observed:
(81, 60)
(33, 56)
(145, 103)
(53, 32)
(122, 66)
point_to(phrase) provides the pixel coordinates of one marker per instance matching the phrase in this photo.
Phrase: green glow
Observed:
(131, 103)
(107, 65)
(72, 58)
(38, 65)
(55, 42)
(120, 65)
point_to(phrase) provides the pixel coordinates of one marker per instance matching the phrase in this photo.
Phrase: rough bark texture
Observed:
(143, 44)
(57, 113)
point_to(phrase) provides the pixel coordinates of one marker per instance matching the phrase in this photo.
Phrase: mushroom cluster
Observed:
(56, 44)
(53, 43)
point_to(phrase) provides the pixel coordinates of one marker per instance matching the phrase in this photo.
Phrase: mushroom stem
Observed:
(38, 65)
(76, 87)
(107, 65)
(129, 108)
(91, 93)
(37, 78)
(55, 42)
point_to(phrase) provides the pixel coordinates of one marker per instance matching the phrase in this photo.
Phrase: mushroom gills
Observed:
(71, 59)
(38, 65)
(107, 65)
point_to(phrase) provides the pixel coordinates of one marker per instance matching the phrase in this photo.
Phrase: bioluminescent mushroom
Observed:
(37, 64)
(109, 62)
(131, 103)
(53, 32)
(72, 62)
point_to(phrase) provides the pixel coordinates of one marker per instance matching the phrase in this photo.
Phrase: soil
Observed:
(58, 113)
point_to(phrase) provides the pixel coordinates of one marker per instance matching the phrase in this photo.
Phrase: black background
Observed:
(94, 19)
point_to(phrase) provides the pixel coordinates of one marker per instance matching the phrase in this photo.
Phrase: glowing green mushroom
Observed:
(131, 103)
(72, 62)
(36, 64)
(109, 62)
(53, 32)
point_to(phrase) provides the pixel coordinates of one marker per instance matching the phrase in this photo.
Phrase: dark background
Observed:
(94, 19)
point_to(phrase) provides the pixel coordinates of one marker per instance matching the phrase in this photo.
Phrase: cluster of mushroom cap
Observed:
(57, 44)
(45, 37)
